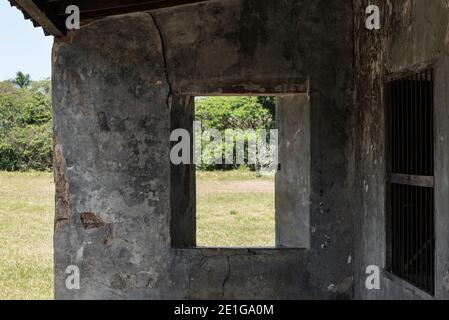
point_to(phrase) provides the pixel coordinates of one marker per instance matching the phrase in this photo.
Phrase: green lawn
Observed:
(233, 209)
(26, 228)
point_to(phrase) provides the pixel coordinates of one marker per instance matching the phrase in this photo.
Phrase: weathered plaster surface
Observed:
(114, 85)
(293, 177)
(414, 35)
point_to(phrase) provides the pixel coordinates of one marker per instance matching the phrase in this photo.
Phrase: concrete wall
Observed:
(414, 35)
(115, 83)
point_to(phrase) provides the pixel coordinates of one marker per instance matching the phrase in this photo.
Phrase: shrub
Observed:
(28, 148)
(25, 126)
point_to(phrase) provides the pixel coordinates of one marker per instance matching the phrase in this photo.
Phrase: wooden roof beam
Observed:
(49, 24)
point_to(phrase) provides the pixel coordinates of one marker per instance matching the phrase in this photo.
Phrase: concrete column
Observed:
(293, 178)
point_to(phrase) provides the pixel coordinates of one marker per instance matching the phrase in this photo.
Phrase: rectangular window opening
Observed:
(236, 164)
(410, 179)
(240, 171)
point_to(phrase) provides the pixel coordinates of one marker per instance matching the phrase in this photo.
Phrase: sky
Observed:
(22, 46)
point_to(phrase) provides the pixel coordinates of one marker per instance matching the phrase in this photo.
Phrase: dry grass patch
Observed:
(26, 228)
(235, 209)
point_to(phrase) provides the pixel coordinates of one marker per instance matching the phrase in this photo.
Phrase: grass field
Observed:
(26, 228)
(233, 209)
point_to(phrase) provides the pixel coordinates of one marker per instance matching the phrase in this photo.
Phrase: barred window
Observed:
(410, 179)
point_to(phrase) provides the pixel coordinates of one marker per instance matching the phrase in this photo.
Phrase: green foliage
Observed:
(27, 148)
(223, 113)
(237, 113)
(37, 111)
(25, 126)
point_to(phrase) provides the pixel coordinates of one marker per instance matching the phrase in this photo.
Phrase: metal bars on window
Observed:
(410, 179)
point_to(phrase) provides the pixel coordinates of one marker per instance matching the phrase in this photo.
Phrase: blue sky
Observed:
(22, 47)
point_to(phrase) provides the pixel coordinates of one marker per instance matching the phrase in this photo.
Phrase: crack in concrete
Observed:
(164, 56)
(110, 289)
(198, 266)
(227, 277)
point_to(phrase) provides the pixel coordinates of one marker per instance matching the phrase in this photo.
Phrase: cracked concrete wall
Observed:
(414, 35)
(113, 86)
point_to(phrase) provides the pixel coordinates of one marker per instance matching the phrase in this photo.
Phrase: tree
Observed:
(22, 80)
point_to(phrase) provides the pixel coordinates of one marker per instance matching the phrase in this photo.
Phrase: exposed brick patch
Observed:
(91, 221)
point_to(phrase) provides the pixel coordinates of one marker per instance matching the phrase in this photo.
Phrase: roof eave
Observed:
(32, 11)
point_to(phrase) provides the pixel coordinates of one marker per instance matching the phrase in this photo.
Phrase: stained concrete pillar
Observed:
(293, 177)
